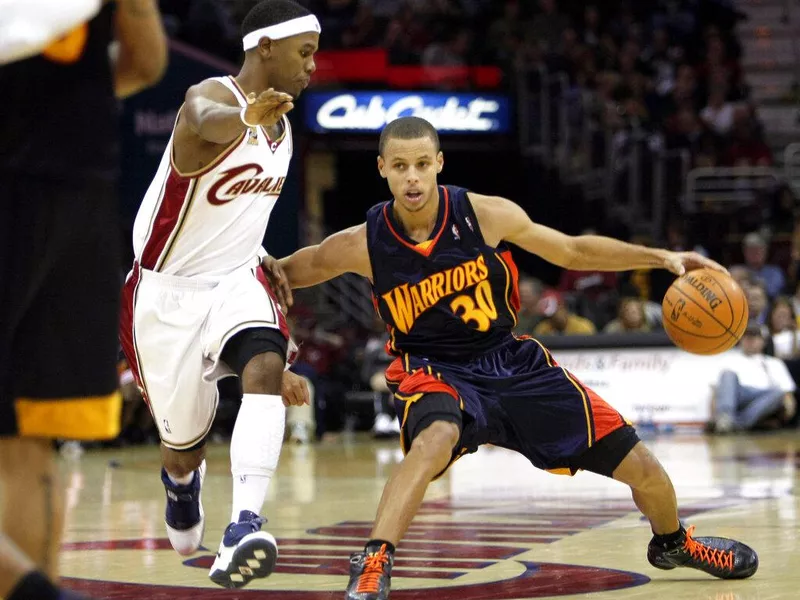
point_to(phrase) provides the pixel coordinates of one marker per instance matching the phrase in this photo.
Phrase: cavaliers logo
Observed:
(242, 180)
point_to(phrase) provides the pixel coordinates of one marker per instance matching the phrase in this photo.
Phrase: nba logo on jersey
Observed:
(455, 233)
(252, 137)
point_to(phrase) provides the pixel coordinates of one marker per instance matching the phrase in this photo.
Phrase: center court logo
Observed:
(440, 558)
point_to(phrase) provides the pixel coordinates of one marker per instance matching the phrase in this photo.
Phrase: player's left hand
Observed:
(681, 262)
(278, 281)
(294, 390)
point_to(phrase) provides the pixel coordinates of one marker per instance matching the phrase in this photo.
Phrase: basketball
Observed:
(704, 312)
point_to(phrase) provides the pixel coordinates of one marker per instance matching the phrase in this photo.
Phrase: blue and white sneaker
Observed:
(246, 553)
(184, 518)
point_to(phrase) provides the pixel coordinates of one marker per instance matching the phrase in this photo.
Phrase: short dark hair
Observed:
(408, 128)
(272, 12)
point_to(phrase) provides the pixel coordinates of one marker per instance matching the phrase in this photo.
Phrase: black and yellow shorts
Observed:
(60, 282)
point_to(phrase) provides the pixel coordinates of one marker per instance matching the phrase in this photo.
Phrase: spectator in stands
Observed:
(684, 129)
(753, 389)
(678, 239)
(335, 17)
(504, 31)
(591, 32)
(757, 302)
(718, 113)
(717, 59)
(373, 374)
(662, 57)
(783, 328)
(406, 37)
(591, 284)
(529, 316)
(559, 320)
(631, 318)
(362, 31)
(741, 275)
(755, 249)
(548, 25)
(453, 52)
(594, 292)
(747, 149)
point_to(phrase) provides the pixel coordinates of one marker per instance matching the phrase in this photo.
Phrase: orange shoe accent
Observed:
(718, 558)
(369, 581)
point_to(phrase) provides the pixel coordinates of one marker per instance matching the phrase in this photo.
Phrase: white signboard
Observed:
(658, 385)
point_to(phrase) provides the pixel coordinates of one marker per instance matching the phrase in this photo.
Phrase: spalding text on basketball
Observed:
(713, 300)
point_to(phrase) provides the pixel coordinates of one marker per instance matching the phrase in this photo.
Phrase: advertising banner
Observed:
(649, 385)
(362, 112)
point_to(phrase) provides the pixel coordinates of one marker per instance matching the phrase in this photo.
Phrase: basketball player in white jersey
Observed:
(197, 305)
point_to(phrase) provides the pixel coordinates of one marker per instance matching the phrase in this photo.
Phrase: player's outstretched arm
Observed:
(502, 220)
(342, 252)
(212, 113)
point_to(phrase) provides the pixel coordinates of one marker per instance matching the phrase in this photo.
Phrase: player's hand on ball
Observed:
(681, 262)
(267, 108)
(278, 282)
(294, 390)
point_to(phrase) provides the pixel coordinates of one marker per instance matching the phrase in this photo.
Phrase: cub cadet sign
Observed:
(371, 111)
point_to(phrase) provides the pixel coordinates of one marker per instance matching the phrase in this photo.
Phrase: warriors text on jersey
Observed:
(450, 297)
(212, 221)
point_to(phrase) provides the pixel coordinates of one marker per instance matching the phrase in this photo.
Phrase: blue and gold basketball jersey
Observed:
(450, 297)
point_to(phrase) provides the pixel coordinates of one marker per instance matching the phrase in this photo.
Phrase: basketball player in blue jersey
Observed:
(445, 284)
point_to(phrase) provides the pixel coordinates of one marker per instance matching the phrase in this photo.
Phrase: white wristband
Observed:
(241, 116)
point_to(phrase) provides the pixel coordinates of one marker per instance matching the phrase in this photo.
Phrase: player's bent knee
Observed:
(182, 462)
(257, 355)
(263, 374)
(437, 440)
(611, 454)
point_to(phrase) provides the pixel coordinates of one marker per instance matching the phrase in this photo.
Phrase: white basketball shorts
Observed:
(173, 330)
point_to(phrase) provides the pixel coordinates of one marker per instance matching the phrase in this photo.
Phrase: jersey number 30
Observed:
(479, 310)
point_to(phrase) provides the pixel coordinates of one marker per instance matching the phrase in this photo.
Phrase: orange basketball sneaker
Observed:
(370, 574)
(717, 556)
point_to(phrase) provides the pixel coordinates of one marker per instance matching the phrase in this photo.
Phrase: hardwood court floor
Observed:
(493, 529)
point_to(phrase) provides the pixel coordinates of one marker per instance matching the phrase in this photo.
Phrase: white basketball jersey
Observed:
(212, 221)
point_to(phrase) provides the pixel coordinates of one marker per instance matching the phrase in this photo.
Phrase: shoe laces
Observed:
(369, 581)
(721, 559)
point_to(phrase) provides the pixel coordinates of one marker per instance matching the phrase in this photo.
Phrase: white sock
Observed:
(255, 449)
(185, 480)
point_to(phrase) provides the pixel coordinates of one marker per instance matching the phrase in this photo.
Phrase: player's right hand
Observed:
(268, 107)
(294, 390)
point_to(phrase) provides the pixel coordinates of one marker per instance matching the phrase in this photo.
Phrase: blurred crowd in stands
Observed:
(667, 66)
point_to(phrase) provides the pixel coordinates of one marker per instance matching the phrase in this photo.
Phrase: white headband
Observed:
(279, 31)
